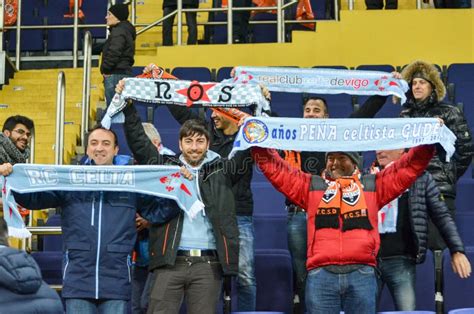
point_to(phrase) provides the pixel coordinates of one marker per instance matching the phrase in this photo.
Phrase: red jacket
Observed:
(329, 246)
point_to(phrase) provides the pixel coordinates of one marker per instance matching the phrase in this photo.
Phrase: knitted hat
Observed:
(354, 156)
(120, 11)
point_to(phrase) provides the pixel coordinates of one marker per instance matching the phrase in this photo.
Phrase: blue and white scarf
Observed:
(323, 81)
(161, 181)
(342, 135)
(184, 93)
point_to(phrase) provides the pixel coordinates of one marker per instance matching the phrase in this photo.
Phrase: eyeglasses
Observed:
(22, 132)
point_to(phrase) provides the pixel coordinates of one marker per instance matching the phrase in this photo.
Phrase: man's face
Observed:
(220, 121)
(314, 109)
(20, 136)
(340, 165)
(111, 19)
(101, 147)
(194, 149)
(384, 157)
(421, 89)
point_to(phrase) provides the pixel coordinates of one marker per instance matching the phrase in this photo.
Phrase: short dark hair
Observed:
(12, 121)
(100, 127)
(193, 127)
(3, 232)
(323, 100)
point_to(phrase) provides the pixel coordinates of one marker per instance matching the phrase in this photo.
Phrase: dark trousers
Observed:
(240, 21)
(196, 279)
(139, 278)
(168, 25)
(378, 4)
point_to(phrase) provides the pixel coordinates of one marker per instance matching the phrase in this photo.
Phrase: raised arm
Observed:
(394, 180)
(157, 210)
(38, 200)
(293, 183)
(182, 114)
(142, 148)
(371, 106)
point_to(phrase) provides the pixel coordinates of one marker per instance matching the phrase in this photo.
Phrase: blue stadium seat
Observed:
(407, 312)
(274, 280)
(287, 104)
(267, 200)
(461, 75)
(462, 311)
(223, 73)
(381, 67)
(458, 293)
(193, 74)
(264, 33)
(270, 231)
(425, 284)
(53, 242)
(465, 186)
(464, 222)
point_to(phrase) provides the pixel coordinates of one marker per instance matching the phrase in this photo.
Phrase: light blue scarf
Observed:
(162, 181)
(184, 93)
(323, 81)
(342, 135)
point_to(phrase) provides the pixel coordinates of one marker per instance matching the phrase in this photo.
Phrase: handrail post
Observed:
(180, 22)
(18, 36)
(31, 159)
(351, 5)
(86, 85)
(418, 4)
(336, 10)
(134, 12)
(229, 22)
(60, 97)
(75, 34)
(279, 21)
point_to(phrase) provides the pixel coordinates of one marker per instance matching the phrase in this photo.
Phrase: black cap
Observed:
(120, 11)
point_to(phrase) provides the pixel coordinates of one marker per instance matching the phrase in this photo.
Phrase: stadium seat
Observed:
(458, 293)
(223, 73)
(193, 74)
(267, 200)
(461, 76)
(465, 186)
(274, 280)
(270, 231)
(264, 33)
(425, 283)
(407, 312)
(462, 311)
(381, 67)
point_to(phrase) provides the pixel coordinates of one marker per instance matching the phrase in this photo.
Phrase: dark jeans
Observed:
(246, 282)
(378, 4)
(197, 279)
(168, 25)
(109, 85)
(92, 306)
(139, 278)
(399, 274)
(353, 293)
(296, 229)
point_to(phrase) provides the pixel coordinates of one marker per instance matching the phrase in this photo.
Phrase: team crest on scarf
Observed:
(173, 182)
(330, 192)
(351, 194)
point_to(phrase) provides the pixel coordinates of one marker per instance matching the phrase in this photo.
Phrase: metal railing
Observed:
(86, 85)
(60, 104)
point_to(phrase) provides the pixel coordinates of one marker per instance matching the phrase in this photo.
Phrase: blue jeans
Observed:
(353, 293)
(399, 274)
(246, 283)
(109, 85)
(297, 239)
(92, 306)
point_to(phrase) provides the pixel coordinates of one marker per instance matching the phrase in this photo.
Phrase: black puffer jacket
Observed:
(215, 179)
(424, 203)
(445, 173)
(222, 144)
(119, 50)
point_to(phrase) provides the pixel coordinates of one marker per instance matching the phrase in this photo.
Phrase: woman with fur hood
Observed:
(424, 99)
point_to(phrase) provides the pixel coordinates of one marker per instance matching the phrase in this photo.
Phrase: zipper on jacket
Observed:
(129, 264)
(66, 264)
(165, 239)
(93, 211)
(226, 250)
(99, 228)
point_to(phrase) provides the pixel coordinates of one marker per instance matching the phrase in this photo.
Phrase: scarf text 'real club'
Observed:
(185, 93)
(161, 181)
(323, 81)
(342, 135)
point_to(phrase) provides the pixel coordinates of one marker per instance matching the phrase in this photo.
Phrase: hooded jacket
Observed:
(222, 144)
(330, 246)
(444, 173)
(119, 50)
(22, 289)
(216, 176)
(98, 237)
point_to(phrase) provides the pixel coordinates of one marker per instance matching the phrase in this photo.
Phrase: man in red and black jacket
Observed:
(342, 207)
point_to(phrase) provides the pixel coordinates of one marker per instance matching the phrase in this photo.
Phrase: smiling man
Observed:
(14, 140)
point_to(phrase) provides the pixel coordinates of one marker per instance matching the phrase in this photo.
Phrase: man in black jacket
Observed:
(403, 227)
(189, 257)
(425, 100)
(222, 134)
(119, 49)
